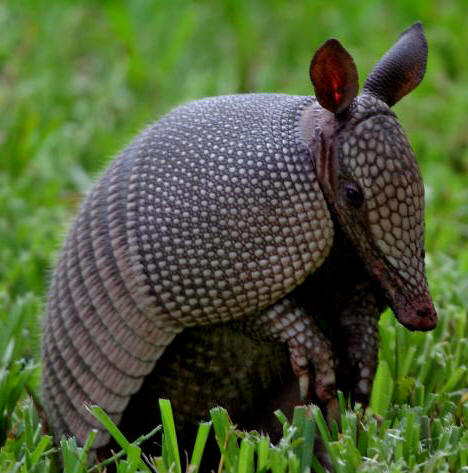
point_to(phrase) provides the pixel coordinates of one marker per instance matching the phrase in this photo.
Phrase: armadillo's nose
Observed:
(421, 315)
(427, 318)
(425, 312)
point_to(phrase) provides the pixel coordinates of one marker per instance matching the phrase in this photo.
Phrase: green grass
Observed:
(79, 79)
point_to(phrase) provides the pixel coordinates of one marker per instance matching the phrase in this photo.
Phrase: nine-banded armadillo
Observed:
(240, 244)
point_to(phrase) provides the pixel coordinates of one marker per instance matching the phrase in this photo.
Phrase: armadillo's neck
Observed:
(313, 119)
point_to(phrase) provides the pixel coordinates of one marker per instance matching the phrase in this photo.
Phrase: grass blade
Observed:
(170, 436)
(382, 390)
(199, 447)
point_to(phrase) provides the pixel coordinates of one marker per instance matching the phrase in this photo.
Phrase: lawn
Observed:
(79, 79)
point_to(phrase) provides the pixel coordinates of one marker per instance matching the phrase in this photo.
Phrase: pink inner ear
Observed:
(339, 96)
(334, 76)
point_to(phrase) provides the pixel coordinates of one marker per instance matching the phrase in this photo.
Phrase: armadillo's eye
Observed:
(353, 195)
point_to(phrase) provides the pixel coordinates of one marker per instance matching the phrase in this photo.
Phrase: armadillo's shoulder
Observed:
(212, 213)
(227, 213)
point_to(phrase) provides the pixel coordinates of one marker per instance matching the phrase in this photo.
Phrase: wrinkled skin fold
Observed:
(240, 252)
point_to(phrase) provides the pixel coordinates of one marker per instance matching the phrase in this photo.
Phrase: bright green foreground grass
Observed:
(78, 80)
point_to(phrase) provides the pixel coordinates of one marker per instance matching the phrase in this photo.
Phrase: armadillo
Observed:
(241, 245)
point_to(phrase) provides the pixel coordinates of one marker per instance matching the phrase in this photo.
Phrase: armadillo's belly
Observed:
(215, 366)
(211, 214)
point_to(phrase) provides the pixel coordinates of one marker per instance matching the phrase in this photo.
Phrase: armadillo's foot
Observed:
(359, 366)
(310, 351)
(358, 360)
(313, 353)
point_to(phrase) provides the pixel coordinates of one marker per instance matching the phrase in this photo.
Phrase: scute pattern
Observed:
(379, 157)
(212, 213)
(229, 217)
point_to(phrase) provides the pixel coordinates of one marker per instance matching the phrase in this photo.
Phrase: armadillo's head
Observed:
(368, 172)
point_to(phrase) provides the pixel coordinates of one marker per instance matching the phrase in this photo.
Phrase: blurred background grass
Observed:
(79, 79)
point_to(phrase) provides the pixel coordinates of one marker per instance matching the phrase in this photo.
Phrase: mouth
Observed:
(419, 314)
(413, 308)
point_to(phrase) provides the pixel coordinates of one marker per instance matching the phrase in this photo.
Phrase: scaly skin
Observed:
(213, 214)
(240, 251)
(246, 367)
(289, 322)
(359, 327)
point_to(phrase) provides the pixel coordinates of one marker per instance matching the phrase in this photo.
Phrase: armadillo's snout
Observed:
(425, 312)
(420, 315)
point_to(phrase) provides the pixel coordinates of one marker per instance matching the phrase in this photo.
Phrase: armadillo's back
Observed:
(100, 334)
(210, 214)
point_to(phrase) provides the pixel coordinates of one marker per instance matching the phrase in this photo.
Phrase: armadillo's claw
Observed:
(303, 357)
(303, 386)
(325, 385)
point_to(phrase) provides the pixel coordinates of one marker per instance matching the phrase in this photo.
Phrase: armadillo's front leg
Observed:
(360, 335)
(288, 322)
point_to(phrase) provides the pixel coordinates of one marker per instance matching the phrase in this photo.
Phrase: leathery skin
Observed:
(180, 231)
(240, 252)
(245, 367)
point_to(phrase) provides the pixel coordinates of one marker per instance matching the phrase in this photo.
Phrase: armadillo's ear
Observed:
(401, 69)
(334, 76)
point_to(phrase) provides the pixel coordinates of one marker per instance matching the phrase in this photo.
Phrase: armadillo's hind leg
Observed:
(288, 322)
(360, 343)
